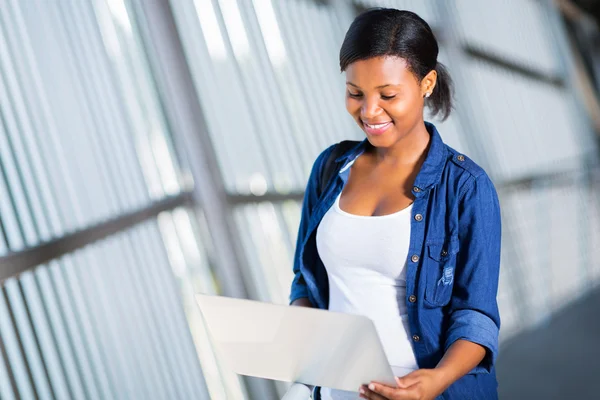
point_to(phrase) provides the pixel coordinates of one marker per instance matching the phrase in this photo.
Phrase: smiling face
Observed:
(385, 98)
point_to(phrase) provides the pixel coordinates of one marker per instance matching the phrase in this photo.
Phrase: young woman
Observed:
(407, 232)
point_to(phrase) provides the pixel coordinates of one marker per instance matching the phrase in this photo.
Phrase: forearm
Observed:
(302, 302)
(460, 358)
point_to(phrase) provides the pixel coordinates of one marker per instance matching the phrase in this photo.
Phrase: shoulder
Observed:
(322, 158)
(471, 176)
(465, 163)
(332, 152)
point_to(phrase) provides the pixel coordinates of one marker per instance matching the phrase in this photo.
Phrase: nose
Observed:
(370, 109)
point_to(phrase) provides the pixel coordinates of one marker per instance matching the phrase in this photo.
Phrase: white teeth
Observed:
(376, 126)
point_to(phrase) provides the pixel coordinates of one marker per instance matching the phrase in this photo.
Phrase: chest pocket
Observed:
(440, 265)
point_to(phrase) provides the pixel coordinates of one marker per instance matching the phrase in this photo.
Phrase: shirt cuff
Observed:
(475, 327)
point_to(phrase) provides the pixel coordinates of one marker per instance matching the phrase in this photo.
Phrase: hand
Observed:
(422, 384)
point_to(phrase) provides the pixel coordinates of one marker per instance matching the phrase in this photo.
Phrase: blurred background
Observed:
(153, 149)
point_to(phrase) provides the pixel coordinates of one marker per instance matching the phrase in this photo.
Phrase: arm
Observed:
(461, 357)
(474, 315)
(299, 289)
(302, 302)
(471, 343)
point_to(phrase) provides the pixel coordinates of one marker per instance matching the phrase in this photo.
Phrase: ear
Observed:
(428, 83)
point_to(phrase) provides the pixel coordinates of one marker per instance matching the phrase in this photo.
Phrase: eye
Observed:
(388, 97)
(354, 95)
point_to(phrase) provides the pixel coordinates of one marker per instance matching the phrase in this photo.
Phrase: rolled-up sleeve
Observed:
(311, 195)
(474, 312)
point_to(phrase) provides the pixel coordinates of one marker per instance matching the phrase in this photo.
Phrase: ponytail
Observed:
(440, 101)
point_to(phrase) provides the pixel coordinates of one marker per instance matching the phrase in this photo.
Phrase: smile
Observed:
(377, 129)
(377, 126)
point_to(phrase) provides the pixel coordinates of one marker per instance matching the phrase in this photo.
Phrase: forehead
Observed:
(377, 71)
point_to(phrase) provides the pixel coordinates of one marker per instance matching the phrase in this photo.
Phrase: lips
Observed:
(377, 128)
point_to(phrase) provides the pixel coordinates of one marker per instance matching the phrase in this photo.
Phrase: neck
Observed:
(409, 149)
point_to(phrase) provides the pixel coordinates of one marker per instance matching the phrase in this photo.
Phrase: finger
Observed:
(361, 391)
(387, 393)
(371, 395)
(409, 379)
(383, 390)
(364, 392)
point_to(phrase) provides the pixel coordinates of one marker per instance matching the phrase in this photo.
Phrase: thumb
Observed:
(407, 380)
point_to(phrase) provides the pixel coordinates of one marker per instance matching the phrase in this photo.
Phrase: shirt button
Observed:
(415, 258)
(412, 298)
(444, 253)
(416, 338)
(419, 217)
(460, 157)
(416, 189)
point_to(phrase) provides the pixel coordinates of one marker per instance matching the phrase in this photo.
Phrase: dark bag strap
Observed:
(330, 167)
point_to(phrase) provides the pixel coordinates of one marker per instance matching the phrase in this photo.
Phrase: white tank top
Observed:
(365, 258)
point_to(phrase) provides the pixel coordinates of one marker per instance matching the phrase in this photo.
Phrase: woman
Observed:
(407, 232)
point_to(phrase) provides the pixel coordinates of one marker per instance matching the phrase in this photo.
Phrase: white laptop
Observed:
(296, 344)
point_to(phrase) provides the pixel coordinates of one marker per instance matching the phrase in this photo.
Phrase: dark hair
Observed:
(390, 32)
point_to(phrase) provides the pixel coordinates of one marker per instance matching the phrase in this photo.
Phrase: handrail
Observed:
(15, 263)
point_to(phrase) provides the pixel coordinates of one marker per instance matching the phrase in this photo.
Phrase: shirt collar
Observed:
(431, 170)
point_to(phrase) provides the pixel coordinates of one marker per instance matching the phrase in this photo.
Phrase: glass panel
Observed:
(12, 177)
(10, 225)
(514, 136)
(16, 361)
(97, 286)
(6, 390)
(515, 31)
(152, 140)
(268, 246)
(18, 117)
(27, 337)
(423, 8)
(179, 232)
(45, 337)
(70, 341)
(87, 320)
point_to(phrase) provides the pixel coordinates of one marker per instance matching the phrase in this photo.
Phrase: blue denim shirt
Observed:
(452, 265)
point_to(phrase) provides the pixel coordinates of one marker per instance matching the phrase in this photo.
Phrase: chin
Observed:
(385, 140)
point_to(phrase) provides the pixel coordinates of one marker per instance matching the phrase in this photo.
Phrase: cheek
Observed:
(352, 105)
(403, 107)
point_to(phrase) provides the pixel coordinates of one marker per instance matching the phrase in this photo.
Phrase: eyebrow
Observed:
(378, 87)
